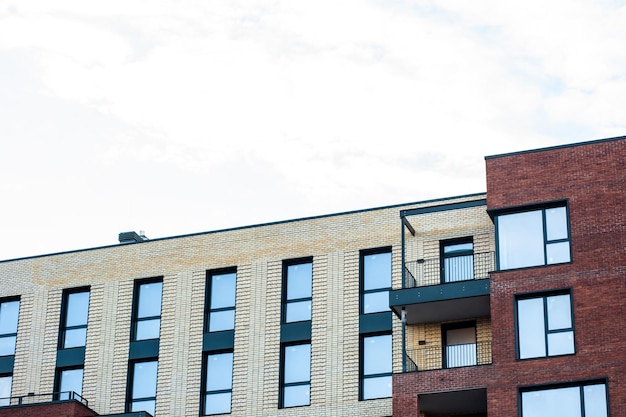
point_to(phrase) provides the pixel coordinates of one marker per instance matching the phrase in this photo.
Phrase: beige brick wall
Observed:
(334, 243)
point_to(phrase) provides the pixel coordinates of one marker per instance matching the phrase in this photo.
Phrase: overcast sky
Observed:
(184, 116)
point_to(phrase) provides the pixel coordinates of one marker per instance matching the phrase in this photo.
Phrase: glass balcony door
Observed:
(460, 345)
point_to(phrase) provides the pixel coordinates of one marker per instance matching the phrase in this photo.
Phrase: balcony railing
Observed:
(43, 398)
(438, 357)
(424, 272)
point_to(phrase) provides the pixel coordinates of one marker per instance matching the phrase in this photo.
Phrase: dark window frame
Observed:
(581, 384)
(468, 324)
(135, 310)
(63, 327)
(207, 296)
(8, 375)
(284, 301)
(443, 256)
(495, 214)
(362, 291)
(283, 384)
(544, 296)
(131, 381)
(7, 335)
(57, 380)
(362, 376)
(203, 388)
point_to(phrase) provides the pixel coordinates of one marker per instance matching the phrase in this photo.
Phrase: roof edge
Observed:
(570, 145)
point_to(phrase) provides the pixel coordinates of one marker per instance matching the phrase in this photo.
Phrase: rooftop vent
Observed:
(132, 237)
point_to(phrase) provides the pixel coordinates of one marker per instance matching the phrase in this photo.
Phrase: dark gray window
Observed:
(148, 310)
(297, 292)
(5, 389)
(218, 383)
(69, 381)
(143, 384)
(545, 326)
(75, 310)
(533, 238)
(457, 260)
(221, 288)
(376, 366)
(296, 375)
(376, 280)
(588, 400)
(9, 312)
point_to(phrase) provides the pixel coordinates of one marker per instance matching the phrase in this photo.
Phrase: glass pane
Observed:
(520, 240)
(148, 406)
(296, 395)
(148, 329)
(9, 312)
(556, 223)
(221, 320)
(377, 355)
(459, 247)
(144, 379)
(223, 288)
(299, 281)
(71, 381)
(150, 299)
(561, 402)
(7, 345)
(219, 374)
(375, 302)
(558, 252)
(217, 403)
(298, 311)
(532, 337)
(297, 363)
(5, 390)
(377, 271)
(458, 268)
(561, 343)
(595, 401)
(379, 387)
(559, 312)
(77, 309)
(75, 338)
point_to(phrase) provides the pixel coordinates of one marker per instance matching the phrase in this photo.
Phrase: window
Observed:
(143, 384)
(296, 375)
(220, 313)
(457, 260)
(9, 312)
(5, 389)
(545, 325)
(69, 381)
(376, 366)
(218, 383)
(74, 312)
(375, 280)
(297, 290)
(587, 400)
(147, 311)
(533, 238)
(459, 340)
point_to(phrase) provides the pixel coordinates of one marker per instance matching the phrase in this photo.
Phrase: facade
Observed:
(499, 303)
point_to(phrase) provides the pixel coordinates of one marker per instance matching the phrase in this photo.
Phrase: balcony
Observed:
(446, 357)
(425, 272)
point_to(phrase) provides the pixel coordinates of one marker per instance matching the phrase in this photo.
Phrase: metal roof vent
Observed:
(132, 237)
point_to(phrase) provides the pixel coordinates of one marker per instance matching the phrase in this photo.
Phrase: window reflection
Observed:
(298, 292)
(296, 375)
(376, 367)
(221, 301)
(376, 271)
(582, 401)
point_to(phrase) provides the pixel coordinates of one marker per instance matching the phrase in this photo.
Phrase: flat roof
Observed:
(570, 145)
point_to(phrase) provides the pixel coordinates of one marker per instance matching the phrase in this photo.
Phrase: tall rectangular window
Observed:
(376, 366)
(296, 375)
(5, 389)
(375, 280)
(457, 260)
(143, 385)
(218, 383)
(69, 382)
(297, 290)
(533, 238)
(545, 325)
(147, 310)
(9, 313)
(220, 311)
(584, 400)
(74, 313)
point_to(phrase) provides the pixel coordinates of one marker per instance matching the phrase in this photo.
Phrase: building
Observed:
(437, 308)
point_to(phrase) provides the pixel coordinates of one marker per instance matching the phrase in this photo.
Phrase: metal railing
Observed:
(424, 272)
(445, 357)
(43, 398)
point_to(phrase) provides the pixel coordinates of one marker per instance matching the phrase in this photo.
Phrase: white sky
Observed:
(185, 116)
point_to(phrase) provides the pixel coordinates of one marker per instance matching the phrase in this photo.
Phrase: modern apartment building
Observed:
(501, 303)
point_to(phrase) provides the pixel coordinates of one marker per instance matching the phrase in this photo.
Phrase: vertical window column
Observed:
(376, 365)
(9, 314)
(143, 383)
(376, 281)
(147, 317)
(296, 375)
(297, 294)
(218, 383)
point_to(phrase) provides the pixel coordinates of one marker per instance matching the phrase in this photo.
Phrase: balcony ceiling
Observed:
(468, 402)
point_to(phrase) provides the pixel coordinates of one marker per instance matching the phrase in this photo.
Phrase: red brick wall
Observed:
(62, 409)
